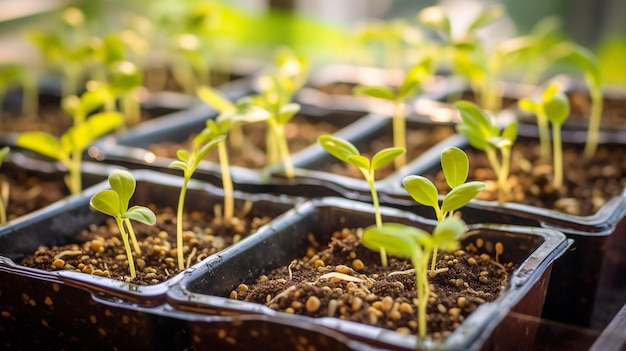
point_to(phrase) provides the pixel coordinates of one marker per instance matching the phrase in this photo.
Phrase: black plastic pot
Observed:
(612, 337)
(206, 290)
(593, 266)
(67, 309)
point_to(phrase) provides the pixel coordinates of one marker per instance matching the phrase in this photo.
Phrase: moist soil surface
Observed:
(379, 296)
(29, 191)
(99, 249)
(587, 185)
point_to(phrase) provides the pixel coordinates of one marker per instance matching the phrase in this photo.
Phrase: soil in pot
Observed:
(374, 295)
(301, 132)
(586, 187)
(99, 249)
(30, 191)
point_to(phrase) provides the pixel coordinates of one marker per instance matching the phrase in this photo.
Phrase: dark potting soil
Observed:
(28, 191)
(587, 185)
(99, 249)
(374, 295)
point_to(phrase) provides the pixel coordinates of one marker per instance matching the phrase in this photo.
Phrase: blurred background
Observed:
(326, 31)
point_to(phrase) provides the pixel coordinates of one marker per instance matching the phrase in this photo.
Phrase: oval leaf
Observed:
(123, 183)
(477, 140)
(338, 147)
(455, 166)
(141, 214)
(373, 91)
(557, 109)
(205, 149)
(510, 132)
(41, 143)
(179, 164)
(461, 195)
(383, 157)
(107, 202)
(287, 112)
(213, 98)
(359, 161)
(397, 239)
(447, 233)
(422, 190)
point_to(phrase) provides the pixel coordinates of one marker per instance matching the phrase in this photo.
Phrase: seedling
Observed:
(418, 245)
(348, 153)
(588, 64)
(484, 135)
(68, 149)
(455, 166)
(388, 38)
(189, 162)
(4, 189)
(114, 202)
(277, 91)
(231, 116)
(409, 87)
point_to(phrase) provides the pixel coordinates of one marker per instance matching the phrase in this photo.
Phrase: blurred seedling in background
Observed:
(411, 85)
(486, 136)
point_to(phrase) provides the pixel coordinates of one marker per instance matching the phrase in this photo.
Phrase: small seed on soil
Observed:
(141, 263)
(342, 269)
(358, 265)
(242, 287)
(386, 304)
(461, 302)
(356, 304)
(471, 261)
(332, 307)
(459, 253)
(485, 257)
(480, 242)
(319, 263)
(120, 257)
(262, 279)
(406, 308)
(58, 263)
(441, 308)
(233, 294)
(296, 305)
(313, 304)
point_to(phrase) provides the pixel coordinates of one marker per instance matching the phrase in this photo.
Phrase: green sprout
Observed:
(348, 153)
(231, 116)
(277, 90)
(114, 202)
(455, 166)
(189, 162)
(418, 245)
(68, 149)
(467, 53)
(388, 38)
(4, 189)
(484, 135)
(410, 86)
(538, 108)
(588, 63)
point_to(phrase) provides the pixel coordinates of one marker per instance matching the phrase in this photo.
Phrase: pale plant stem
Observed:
(133, 237)
(544, 135)
(421, 285)
(558, 157)
(131, 108)
(179, 223)
(369, 177)
(283, 148)
(74, 182)
(399, 132)
(594, 123)
(129, 255)
(503, 176)
(227, 182)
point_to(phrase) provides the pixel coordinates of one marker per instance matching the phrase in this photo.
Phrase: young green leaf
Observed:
(375, 91)
(123, 184)
(448, 232)
(557, 108)
(107, 202)
(422, 190)
(287, 112)
(455, 166)
(215, 99)
(359, 161)
(338, 147)
(461, 195)
(395, 238)
(141, 214)
(384, 156)
(41, 143)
